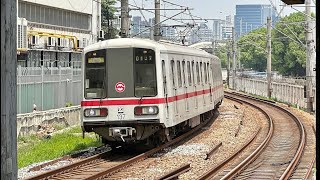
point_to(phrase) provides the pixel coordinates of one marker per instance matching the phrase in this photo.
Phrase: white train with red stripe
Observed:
(138, 90)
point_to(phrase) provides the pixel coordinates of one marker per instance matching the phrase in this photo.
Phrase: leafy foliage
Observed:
(107, 15)
(289, 57)
(288, 54)
(221, 52)
(252, 53)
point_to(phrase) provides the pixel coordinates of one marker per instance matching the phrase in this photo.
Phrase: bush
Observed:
(68, 104)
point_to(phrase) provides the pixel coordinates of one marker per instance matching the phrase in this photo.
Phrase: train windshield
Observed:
(145, 73)
(95, 73)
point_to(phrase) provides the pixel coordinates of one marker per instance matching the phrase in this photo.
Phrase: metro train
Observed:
(143, 91)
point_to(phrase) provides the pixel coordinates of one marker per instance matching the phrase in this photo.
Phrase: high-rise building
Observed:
(252, 16)
(167, 32)
(144, 29)
(202, 34)
(217, 29)
(222, 29)
(227, 28)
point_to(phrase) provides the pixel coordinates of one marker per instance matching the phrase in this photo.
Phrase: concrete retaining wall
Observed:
(289, 93)
(30, 123)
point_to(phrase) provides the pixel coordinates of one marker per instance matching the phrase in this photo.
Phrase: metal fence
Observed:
(285, 92)
(47, 88)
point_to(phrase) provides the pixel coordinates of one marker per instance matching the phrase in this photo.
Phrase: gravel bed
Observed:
(28, 172)
(194, 150)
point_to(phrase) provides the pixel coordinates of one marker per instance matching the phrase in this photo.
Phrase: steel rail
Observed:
(213, 170)
(176, 172)
(145, 155)
(68, 167)
(294, 162)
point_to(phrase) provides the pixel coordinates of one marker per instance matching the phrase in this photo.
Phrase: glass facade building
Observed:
(252, 16)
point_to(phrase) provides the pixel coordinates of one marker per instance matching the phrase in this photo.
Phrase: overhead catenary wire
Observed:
(289, 37)
(158, 23)
(76, 8)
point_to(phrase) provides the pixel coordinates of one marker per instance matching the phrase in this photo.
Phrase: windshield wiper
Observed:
(140, 101)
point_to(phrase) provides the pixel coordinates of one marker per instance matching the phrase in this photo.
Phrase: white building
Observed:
(168, 32)
(217, 29)
(202, 34)
(227, 26)
(53, 32)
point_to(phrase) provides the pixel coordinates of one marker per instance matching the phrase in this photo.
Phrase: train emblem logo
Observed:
(120, 87)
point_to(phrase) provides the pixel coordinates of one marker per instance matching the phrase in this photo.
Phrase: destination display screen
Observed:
(95, 60)
(144, 56)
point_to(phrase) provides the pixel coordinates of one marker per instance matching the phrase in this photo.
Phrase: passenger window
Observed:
(193, 75)
(172, 73)
(189, 73)
(179, 74)
(198, 75)
(208, 72)
(184, 73)
(201, 72)
(205, 73)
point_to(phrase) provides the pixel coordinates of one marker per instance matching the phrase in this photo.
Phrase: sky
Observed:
(208, 8)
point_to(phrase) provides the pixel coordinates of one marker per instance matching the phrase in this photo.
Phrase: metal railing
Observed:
(282, 91)
(47, 88)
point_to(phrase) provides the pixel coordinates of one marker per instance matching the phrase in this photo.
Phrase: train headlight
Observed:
(96, 112)
(146, 110)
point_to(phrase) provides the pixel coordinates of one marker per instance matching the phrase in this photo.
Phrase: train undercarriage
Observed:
(150, 134)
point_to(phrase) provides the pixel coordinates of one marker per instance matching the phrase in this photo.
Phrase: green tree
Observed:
(288, 56)
(288, 53)
(221, 52)
(252, 50)
(107, 15)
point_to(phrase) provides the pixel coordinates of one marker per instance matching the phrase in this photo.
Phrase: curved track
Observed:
(284, 151)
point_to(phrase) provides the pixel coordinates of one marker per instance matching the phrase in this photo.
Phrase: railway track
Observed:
(280, 158)
(105, 164)
(271, 153)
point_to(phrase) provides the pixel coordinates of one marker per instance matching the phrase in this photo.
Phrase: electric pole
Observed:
(240, 27)
(157, 20)
(239, 59)
(269, 56)
(124, 19)
(311, 56)
(239, 49)
(213, 46)
(228, 69)
(246, 27)
(234, 53)
(9, 169)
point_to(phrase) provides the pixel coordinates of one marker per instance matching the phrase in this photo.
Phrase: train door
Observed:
(173, 76)
(198, 83)
(185, 84)
(165, 90)
(202, 83)
(209, 68)
(189, 82)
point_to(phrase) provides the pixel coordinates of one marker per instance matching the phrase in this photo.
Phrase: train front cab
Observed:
(120, 94)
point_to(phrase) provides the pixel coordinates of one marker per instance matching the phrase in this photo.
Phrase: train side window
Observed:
(208, 72)
(179, 74)
(201, 72)
(198, 75)
(172, 73)
(205, 73)
(189, 73)
(184, 72)
(192, 72)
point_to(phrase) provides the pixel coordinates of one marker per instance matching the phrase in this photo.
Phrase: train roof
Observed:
(162, 46)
